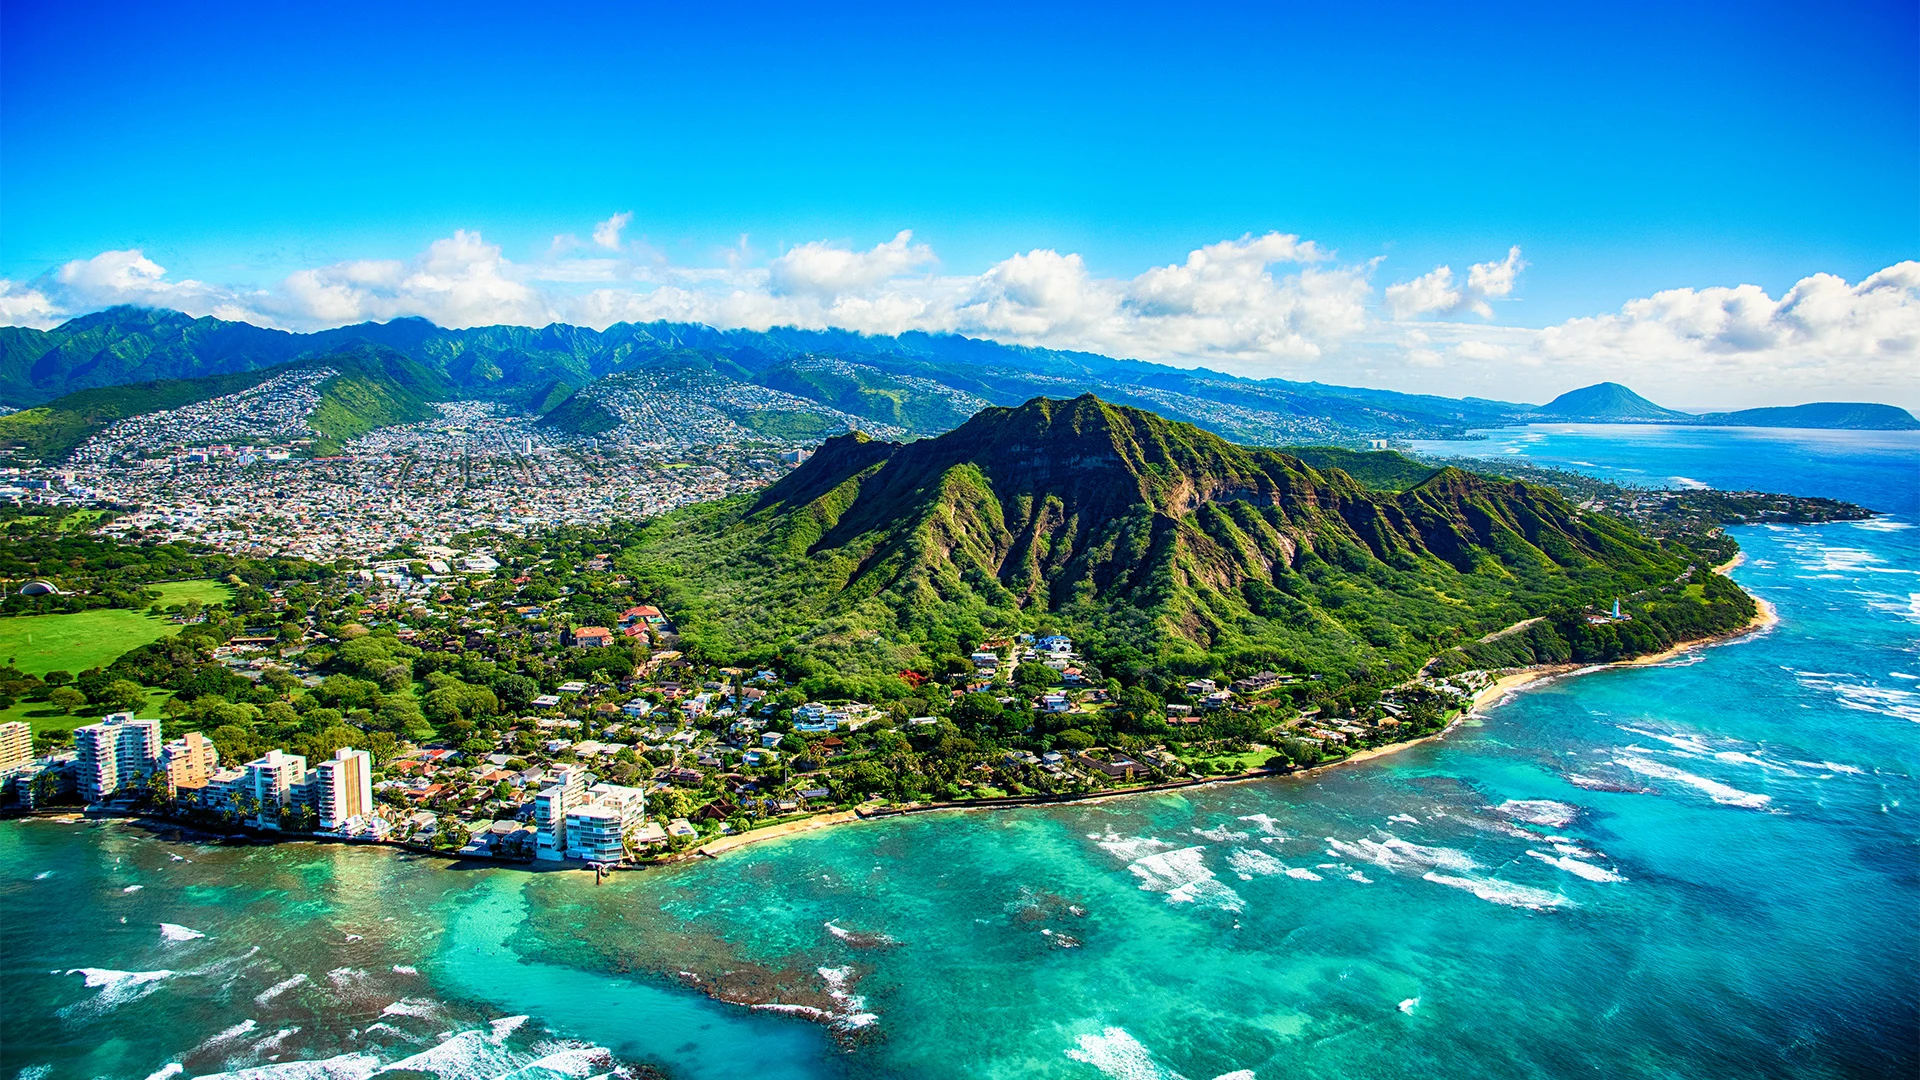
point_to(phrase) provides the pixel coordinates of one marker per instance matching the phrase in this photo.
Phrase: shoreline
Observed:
(1494, 694)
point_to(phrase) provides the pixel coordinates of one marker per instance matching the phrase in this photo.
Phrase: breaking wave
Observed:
(278, 988)
(1128, 848)
(1396, 854)
(1495, 891)
(116, 989)
(1556, 815)
(176, 932)
(1183, 877)
(1715, 790)
(1250, 863)
(1219, 834)
(852, 1012)
(1577, 868)
(1119, 1055)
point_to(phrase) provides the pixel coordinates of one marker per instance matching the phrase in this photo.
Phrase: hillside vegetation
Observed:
(1163, 549)
(374, 387)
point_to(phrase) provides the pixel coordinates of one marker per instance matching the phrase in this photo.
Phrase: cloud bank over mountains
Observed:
(1271, 304)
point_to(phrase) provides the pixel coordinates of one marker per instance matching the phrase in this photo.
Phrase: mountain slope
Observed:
(362, 389)
(1164, 549)
(1832, 415)
(1607, 402)
(916, 381)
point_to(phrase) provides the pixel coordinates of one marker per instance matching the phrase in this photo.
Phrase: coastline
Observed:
(1489, 697)
(1496, 693)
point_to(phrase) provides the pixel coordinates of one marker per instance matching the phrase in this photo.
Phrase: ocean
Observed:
(1702, 867)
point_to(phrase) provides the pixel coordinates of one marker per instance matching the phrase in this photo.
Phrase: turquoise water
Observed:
(1877, 469)
(1705, 867)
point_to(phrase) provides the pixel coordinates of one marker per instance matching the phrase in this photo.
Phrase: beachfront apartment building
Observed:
(343, 788)
(278, 780)
(16, 745)
(550, 807)
(115, 756)
(189, 762)
(596, 829)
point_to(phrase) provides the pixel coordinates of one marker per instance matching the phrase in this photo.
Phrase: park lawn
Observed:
(37, 644)
(1234, 763)
(43, 717)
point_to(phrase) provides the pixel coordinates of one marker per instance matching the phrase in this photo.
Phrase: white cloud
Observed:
(1434, 293)
(1822, 338)
(1494, 279)
(1262, 305)
(460, 281)
(823, 270)
(24, 305)
(607, 233)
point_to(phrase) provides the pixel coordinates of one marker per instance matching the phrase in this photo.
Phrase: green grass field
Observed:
(38, 644)
(42, 717)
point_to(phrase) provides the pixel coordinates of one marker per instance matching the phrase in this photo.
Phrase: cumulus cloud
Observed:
(822, 269)
(1821, 334)
(1270, 304)
(607, 233)
(24, 305)
(460, 281)
(1435, 293)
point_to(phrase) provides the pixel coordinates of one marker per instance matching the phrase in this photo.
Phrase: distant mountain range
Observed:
(781, 384)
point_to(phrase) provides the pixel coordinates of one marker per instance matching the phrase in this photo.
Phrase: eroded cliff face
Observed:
(1062, 500)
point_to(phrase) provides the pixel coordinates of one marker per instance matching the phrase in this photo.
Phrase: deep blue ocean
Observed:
(1706, 867)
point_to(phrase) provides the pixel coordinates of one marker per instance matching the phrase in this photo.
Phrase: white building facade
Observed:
(343, 789)
(550, 806)
(115, 756)
(278, 780)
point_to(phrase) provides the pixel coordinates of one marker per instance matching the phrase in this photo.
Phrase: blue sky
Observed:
(1625, 149)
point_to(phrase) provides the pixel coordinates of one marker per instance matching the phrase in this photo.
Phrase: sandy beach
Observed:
(1490, 696)
(774, 832)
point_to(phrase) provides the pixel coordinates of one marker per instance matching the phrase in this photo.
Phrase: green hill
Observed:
(916, 404)
(373, 387)
(1381, 470)
(1843, 415)
(1163, 549)
(1607, 402)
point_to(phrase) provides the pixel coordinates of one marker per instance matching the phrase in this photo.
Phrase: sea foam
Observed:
(176, 932)
(1718, 792)
(116, 988)
(1250, 863)
(1557, 815)
(1183, 877)
(1119, 1055)
(852, 1008)
(1128, 848)
(1396, 854)
(1576, 867)
(278, 988)
(1495, 891)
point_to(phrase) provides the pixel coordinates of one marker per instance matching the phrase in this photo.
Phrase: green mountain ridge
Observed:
(915, 381)
(1165, 550)
(373, 388)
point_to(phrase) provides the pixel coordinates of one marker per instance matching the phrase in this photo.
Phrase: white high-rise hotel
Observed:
(343, 788)
(116, 756)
